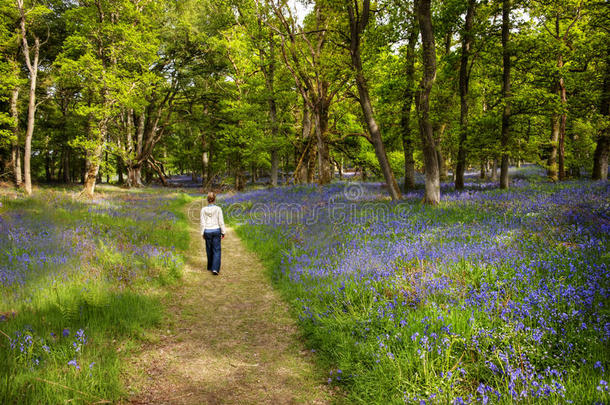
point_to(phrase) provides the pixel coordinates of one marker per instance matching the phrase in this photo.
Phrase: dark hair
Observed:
(211, 197)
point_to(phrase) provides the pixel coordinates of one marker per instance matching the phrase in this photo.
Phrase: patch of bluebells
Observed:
(39, 251)
(31, 351)
(55, 241)
(517, 280)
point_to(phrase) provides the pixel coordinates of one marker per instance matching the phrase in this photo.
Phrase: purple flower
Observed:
(65, 332)
(74, 364)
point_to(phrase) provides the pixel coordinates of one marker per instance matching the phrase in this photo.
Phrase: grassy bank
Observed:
(493, 297)
(80, 285)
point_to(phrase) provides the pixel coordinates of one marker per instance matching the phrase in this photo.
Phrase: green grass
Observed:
(110, 291)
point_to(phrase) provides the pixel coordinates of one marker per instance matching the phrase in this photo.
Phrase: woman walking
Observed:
(212, 230)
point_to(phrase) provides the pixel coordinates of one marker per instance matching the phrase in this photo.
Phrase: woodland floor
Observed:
(226, 339)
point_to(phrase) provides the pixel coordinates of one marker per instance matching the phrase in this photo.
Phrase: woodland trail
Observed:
(227, 339)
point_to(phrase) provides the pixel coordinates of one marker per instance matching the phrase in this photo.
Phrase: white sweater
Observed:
(211, 218)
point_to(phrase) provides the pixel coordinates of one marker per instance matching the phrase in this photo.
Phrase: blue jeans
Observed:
(212, 248)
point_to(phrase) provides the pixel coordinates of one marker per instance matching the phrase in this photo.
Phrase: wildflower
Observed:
(74, 364)
(65, 332)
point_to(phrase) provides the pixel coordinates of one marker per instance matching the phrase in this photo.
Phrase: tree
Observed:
(467, 39)
(256, 24)
(563, 17)
(602, 150)
(506, 93)
(433, 187)
(32, 57)
(111, 56)
(358, 20)
(303, 53)
(405, 122)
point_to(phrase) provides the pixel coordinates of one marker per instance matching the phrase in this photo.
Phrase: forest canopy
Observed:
(231, 91)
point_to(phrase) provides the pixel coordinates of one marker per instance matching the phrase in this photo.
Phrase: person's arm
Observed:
(221, 222)
(202, 220)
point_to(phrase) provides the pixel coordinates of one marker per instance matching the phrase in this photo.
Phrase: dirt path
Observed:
(229, 339)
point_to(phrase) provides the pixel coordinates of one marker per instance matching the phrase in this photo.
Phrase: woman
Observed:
(212, 230)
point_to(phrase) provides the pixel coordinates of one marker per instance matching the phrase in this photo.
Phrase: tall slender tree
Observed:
(467, 39)
(405, 118)
(433, 186)
(506, 93)
(602, 149)
(359, 19)
(31, 56)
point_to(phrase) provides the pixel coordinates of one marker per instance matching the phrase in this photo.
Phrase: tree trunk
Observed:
(433, 192)
(303, 167)
(358, 22)
(94, 157)
(321, 126)
(482, 175)
(275, 162)
(31, 120)
(464, 87)
(443, 172)
(311, 165)
(93, 167)
(30, 130)
(17, 166)
(600, 158)
(562, 122)
(552, 160)
(107, 168)
(119, 169)
(494, 169)
(205, 162)
(405, 119)
(340, 164)
(239, 180)
(602, 150)
(270, 81)
(33, 70)
(15, 150)
(134, 176)
(158, 168)
(506, 93)
(47, 160)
